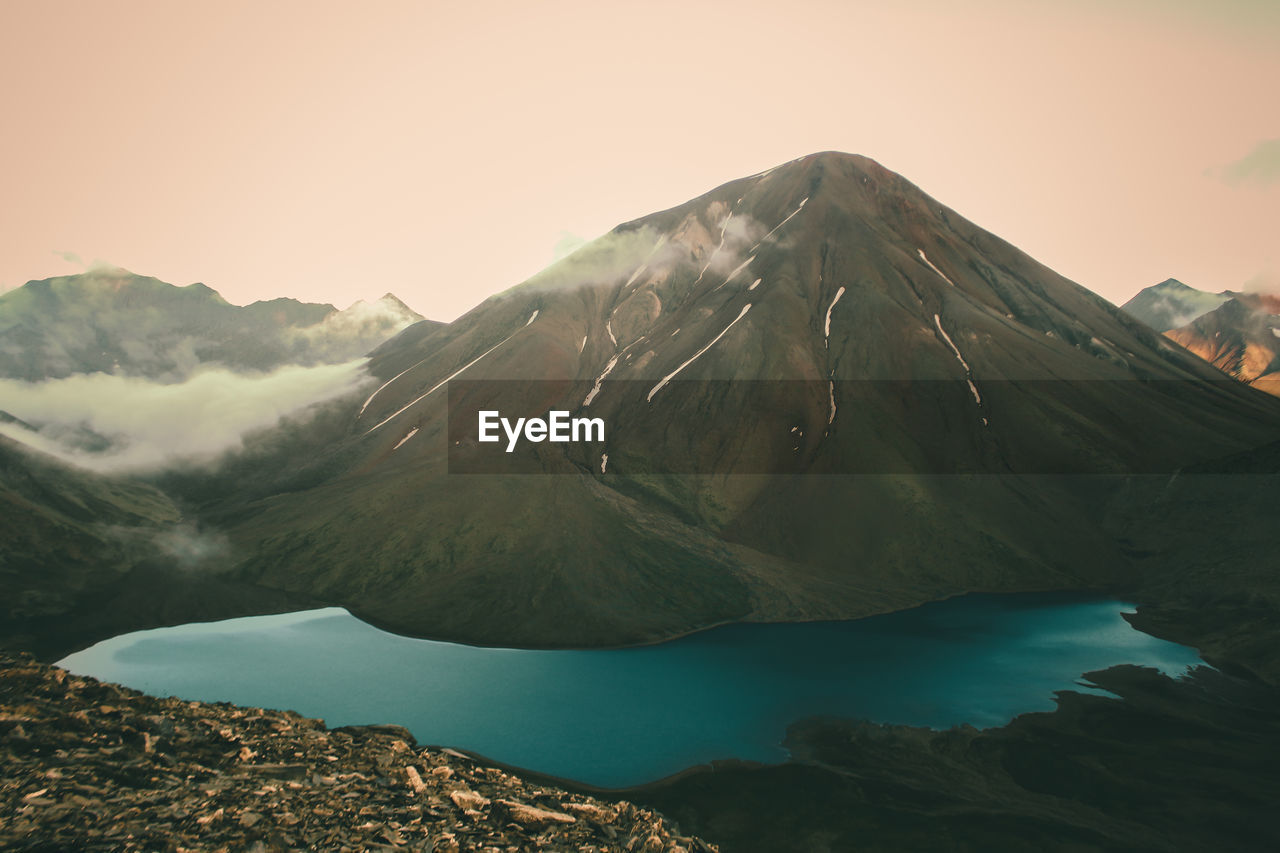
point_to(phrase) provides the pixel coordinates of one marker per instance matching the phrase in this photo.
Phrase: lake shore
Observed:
(90, 765)
(1164, 765)
(605, 718)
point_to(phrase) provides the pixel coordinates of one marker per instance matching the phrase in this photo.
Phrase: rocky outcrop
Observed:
(93, 766)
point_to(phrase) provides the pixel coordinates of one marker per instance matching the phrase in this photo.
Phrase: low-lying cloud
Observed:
(601, 261)
(566, 245)
(741, 236)
(143, 425)
(1259, 168)
(618, 254)
(1180, 313)
(193, 549)
(351, 333)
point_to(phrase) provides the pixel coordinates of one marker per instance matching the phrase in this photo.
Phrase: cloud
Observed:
(72, 258)
(617, 255)
(352, 332)
(1178, 313)
(602, 261)
(1267, 281)
(97, 264)
(1259, 168)
(191, 548)
(741, 234)
(147, 425)
(566, 245)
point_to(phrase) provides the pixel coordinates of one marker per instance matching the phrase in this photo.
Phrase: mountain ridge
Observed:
(1236, 332)
(114, 321)
(1171, 304)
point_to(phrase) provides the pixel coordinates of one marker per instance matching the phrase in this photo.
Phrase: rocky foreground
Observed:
(87, 765)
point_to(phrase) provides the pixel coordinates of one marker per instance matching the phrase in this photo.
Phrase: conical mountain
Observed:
(826, 394)
(1172, 304)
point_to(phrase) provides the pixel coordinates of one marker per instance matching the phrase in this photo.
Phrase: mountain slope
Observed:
(1171, 304)
(113, 321)
(87, 556)
(841, 484)
(1241, 338)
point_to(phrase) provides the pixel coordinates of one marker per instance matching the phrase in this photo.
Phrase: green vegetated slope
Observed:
(87, 556)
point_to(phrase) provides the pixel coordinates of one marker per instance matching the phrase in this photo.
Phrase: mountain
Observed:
(1172, 304)
(827, 395)
(87, 556)
(1241, 337)
(112, 321)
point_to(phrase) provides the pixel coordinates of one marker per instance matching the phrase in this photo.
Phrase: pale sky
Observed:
(441, 151)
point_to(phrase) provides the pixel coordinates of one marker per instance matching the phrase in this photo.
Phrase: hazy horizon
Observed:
(445, 154)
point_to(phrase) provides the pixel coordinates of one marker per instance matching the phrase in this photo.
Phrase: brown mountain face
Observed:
(1241, 338)
(763, 357)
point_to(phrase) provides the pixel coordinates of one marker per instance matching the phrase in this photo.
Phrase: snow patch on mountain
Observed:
(436, 387)
(635, 275)
(410, 434)
(938, 322)
(783, 222)
(595, 389)
(739, 268)
(940, 273)
(366, 403)
(671, 375)
(724, 227)
(968, 374)
(826, 326)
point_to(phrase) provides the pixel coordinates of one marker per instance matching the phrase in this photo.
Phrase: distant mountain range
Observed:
(84, 554)
(113, 321)
(1239, 333)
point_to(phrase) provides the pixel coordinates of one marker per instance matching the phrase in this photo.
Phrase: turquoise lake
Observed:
(621, 717)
